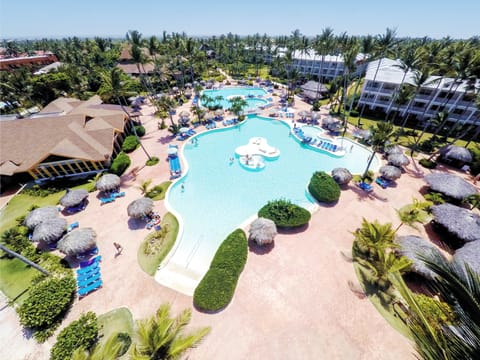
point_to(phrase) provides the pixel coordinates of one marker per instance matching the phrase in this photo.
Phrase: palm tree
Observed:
(412, 214)
(110, 350)
(461, 290)
(23, 258)
(237, 104)
(381, 133)
(162, 337)
(145, 186)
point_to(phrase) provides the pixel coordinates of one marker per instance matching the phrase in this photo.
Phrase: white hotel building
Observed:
(438, 92)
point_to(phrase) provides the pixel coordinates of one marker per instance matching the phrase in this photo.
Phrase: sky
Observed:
(113, 18)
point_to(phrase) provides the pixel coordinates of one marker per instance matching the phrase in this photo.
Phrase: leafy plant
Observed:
(427, 163)
(285, 214)
(434, 197)
(216, 288)
(152, 161)
(120, 164)
(130, 143)
(140, 130)
(473, 200)
(323, 187)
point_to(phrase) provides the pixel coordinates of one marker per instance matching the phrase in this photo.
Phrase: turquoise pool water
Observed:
(238, 91)
(219, 195)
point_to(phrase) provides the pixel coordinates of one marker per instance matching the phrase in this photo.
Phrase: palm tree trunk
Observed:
(369, 163)
(24, 259)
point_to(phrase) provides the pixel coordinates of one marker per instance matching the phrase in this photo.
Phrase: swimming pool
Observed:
(250, 94)
(219, 195)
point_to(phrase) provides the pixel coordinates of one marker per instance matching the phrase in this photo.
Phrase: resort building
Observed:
(126, 63)
(325, 67)
(41, 59)
(436, 94)
(68, 137)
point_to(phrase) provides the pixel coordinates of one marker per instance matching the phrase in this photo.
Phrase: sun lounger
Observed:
(93, 271)
(106, 200)
(365, 187)
(73, 225)
(87, 280)
(87, 290)
(91, 261)
(118, 194)
(86, 254)
(384, 183)
(88, 269)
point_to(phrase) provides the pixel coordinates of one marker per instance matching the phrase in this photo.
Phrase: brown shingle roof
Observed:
(86, 133)
(132, 68)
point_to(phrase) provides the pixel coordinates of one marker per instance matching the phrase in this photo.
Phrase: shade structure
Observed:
(50, 230)
(78, 241)
(209, 116)
(73, 197)
(342, 175)
(219, 112)
(183, 130)
(413, 248)
(364, 134)
(184, 114)
(394, 149)
(461, 222)
(398, 160)
(140, 207)
(450, 185)
(390, 172)
(453, 152)
(188, 85)
(302, 114)
(40, 215)
(468, 254)
(262, 231)
(108, 182)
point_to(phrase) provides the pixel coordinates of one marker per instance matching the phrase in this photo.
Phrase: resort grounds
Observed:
(292, 302)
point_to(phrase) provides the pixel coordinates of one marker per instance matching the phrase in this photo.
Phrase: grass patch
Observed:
(115, 321)
(158, 191)
(15, 279)
(153, 161)
(380, 300)
(157, 245)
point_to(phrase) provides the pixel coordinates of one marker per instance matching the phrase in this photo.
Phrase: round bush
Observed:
(323, 187)
(130, 143)
(120, 164)
(140, 130)
(285, 214)
(152, 161)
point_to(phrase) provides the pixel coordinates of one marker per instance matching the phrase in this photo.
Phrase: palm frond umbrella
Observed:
(219, 112)
(413, 248)
(341, 175)
(468, 254)
(78, 241)
(303, 114)
(398, 160)
(394, 149)
(184, 114)
(364, 134)
(451, 185)
(108, 182)
(50, 230)
(73, 197)
(390, 172)
(460, 222)
(188, 85)
(327, 121)
(453, 152)
(209, 116)
(140, 207)
(262, 231)
(40, 215)
(315, 115)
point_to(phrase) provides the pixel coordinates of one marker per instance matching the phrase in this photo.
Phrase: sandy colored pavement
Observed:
(290, 303)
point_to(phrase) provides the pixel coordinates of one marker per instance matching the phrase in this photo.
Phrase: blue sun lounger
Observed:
(87, 290)
(384, 183)
(86, 270)
(365, 187)
(86, 281)
(92, 261)
(82, 277)
(106, 200)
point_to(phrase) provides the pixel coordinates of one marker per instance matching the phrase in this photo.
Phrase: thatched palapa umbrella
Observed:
(341, 175)
(50, 230)
(262, 231)
(414, 246)
(219, 112)
(394, 149)
(450, 185)
(184, 114)
(108, 182)
(140, 207)
(78, 241)
(302, 114)
(73, 197)
(468, 254)
(398, 160)
(209, 116)
(390, 172)
(40, 215)
(453, 152)
(461, 222)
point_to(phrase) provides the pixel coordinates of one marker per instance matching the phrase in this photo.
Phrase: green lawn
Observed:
(153, 250)
(116, 321)
(15, 279)
(158, 191)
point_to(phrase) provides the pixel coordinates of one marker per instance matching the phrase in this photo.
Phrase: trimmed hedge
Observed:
(427, 163)
(215, 290)
(323, 187)
(48, 301)
(120, 164)
(82, 333)
(285, 214)
(140, 130)
(130, 143)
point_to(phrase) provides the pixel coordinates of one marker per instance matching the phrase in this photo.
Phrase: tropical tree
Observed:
(162, 337)
(24, 259)
(110, 350)
(412, 213)
(237, 104)
(380, 134)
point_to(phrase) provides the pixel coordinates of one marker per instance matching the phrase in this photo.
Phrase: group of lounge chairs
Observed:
(321, 144)
(384, 183)
(211, 125)
(77, 208)
(229, 122)
(186, 135)
(87, 254)
(111, 197)
(89, 277)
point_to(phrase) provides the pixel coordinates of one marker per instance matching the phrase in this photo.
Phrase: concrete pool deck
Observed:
(293, 302)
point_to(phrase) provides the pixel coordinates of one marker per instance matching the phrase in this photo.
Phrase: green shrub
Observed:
(285, 214)
(120, 164)
(428, 164)
(152, 161)
(323, 188)
(354, 113)
(38, 191)
(437, 313)
(125, 340)
(475, 165)
(130, 143)
(158, 191)
(216, 289)
(47, 302)
(81, 333)
(434, 197)
(140, 130)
